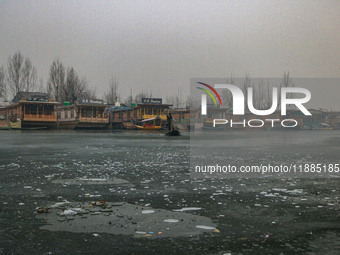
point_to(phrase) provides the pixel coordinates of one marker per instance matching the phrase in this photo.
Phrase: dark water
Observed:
(253, 216)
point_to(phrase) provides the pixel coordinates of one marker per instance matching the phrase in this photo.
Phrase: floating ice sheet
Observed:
(184, 209)
(125, 219)
(92, 181)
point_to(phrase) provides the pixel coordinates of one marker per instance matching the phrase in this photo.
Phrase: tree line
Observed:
(262, 92)
(63, 83)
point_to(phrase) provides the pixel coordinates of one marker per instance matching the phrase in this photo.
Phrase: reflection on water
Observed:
(257, 216)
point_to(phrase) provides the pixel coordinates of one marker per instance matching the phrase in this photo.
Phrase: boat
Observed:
(172, 129)
(129, 125)
(325, 126)
(173, 133)
(318, 126)
(151, 124)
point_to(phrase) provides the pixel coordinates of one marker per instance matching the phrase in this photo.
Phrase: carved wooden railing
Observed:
(40, 117)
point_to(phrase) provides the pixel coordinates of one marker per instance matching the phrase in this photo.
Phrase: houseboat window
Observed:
(40, 109)
(66, 114)
(48, 110)
(149, 111)
(31, 109)
(128, 114)
(59, 115)
(72, 114)
(121, 115)
(85, 112)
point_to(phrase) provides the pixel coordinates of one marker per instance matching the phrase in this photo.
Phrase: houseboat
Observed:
(334, 119)
(122, 117)
(85, 113)
(30, 110)
(3, 118)
(153, 107)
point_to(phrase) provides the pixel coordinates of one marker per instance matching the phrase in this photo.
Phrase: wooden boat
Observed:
(151, 124)
(172, 130)
(173, 133)
(129, 125)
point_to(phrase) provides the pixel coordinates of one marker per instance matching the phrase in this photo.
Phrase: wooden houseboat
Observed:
(30, 110)
(333, 118)
(84, 114)
(151, 108)
(3, 118)
(122, 117)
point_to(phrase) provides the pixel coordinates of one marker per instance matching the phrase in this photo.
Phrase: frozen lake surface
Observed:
(148, 203)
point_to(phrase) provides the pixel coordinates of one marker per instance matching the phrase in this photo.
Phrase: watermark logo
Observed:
(204, 97)
(238, 99)
(288, 96)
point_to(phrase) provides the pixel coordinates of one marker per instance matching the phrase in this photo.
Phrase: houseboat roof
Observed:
(37, 102)
(31, 96)
(118, 108)
(96, 105)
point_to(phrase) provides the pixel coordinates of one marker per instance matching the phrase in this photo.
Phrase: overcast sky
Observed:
(160, 45)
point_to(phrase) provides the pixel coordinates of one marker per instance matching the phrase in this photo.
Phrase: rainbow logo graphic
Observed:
(209, 93)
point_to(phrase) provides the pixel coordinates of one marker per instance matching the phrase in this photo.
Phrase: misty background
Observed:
(157, 46)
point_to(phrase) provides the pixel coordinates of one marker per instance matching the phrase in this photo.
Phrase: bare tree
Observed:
(112, 94)
(69, 88)
(263, 94)
(178, 99)
(247, 83)
(14, 67)
(29, 76)
(267, 95)
(129, 100)
(226, 94)
(140, 95)
(41, 86)
(170, 100)
(2, 83)
(285, 82)
(188, 102)
(56, 80)
(87, 91)
(74, 88)
(21, 74)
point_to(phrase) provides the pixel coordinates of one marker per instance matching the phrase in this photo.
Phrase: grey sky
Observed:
(160, 45)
